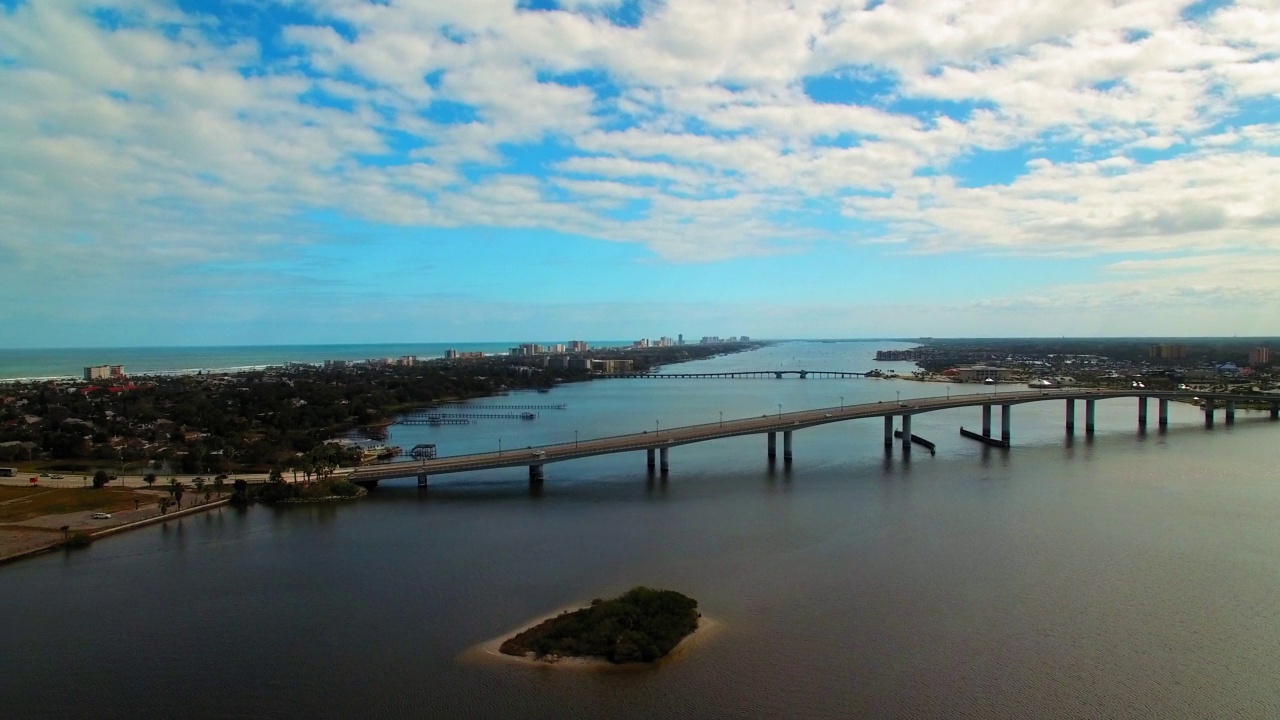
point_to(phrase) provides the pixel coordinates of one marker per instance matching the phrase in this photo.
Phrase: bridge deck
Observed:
(799, 420)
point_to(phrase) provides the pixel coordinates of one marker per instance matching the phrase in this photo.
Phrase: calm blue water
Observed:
(1130, 575)
(70, 362)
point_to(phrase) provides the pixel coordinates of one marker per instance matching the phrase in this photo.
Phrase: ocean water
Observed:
(1124, 575)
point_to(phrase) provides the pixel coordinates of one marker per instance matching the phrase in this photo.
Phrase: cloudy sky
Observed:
(275, 171)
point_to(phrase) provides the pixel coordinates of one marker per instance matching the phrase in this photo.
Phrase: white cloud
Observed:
(167, 141)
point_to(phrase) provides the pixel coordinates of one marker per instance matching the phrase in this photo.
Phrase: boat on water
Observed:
(528, 416)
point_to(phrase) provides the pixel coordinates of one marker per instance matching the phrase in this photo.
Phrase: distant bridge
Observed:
(775, 374)
(659, 442)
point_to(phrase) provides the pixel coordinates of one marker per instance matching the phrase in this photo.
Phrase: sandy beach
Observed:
(487, 652)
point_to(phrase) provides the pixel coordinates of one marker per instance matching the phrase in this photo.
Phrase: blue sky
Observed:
(250, 171)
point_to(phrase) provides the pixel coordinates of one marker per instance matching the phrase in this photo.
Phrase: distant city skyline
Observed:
(192, 172)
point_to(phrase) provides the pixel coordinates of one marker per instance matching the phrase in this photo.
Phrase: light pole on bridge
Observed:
(721, 418)
(655, 427)
(779, 411)
(897, 395)
(499, 446)
(575, 438)
(841, 403)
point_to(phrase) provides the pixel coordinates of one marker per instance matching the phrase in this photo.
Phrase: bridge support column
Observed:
(1071, 417)
(1142, 412)
(1208, 413)
(1162, 407)
(662, 460)
(773, 446)
(650, 460)
(906, 433)
(1275, 411)
(535, 475)
(422, 479)
(986, 421)
(1090, 411)
(1231, 411)
(1006, 422)
(786, 446)
(888, 432)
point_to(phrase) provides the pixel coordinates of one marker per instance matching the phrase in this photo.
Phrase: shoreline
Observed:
(59, 543)
(487, 652)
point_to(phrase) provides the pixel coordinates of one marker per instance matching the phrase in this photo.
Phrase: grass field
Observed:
(20, 503)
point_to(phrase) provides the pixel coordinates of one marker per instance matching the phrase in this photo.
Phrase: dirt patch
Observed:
(21, 504)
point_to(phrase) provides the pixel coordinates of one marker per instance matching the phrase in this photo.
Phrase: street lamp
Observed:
(842, 402)
(779, 411)
(897, 395)
(575, 438)
(655, 427)
(721, 418)
(499, 446)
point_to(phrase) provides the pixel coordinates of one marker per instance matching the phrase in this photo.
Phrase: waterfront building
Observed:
(103, 372)
(1260, 356)
(577, 346)
(978, 373)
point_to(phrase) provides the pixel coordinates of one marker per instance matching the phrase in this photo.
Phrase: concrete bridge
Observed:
(658, 444)
(775, 374)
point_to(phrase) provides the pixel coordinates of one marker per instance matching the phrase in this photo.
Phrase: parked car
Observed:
(101, 516)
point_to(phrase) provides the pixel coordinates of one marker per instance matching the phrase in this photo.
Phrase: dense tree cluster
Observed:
(641, 625)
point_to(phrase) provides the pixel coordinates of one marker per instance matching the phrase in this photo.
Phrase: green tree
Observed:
(101, 478)
(199, 483)
(218, 483)
(149, 479)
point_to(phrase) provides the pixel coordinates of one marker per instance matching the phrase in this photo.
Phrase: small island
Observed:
(640, 626)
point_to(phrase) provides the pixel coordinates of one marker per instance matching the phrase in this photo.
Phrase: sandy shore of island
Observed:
(487, 652)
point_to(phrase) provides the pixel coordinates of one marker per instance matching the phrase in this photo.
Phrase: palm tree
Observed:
(218, 482)
(199, 483)
(175, 489)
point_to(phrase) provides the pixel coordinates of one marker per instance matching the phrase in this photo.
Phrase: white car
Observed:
(101, 516)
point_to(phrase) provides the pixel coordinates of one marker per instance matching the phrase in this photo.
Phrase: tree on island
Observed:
(101, 478)
(149, 479)
(641, 625)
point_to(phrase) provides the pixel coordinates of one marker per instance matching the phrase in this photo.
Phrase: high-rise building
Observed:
(103, 372)
(1260, 356)
(577, 346)
(1168, 351)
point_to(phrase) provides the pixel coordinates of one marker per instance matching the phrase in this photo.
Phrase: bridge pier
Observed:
(535, 475)
(1231, 412)
(650, 460)
(986, 421)
(1142, 411)
(786, 446)
(1071, 417)
(1163, 410)
(1090, 412)
(663, 465)
(1208, 412)
(1006, 423)
(773, 446)
(1275, 411)
(422, 480)
(888, 432)
(906, 434)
